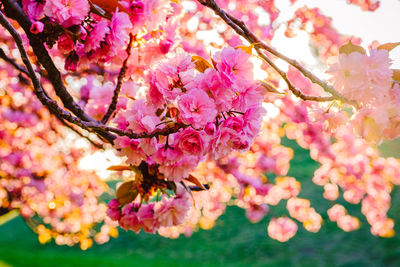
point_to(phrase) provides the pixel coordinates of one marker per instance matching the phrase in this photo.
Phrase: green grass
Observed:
(232, 242)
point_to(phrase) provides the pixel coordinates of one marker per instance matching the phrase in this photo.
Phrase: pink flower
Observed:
(335, 212)
(247, 95)
(165, 46)
(141, 117)
(196, 108)
(71, 61)
(361, 77)
(348, 223)
(100, 99)
(172, 212)
(135, 8)
(167, 156)
(97, 35)
(181, 62)
(240, 142)
(146, 215)
(154, 96)
(282, 229)
(113, 212)
(331, 191)
(255, 213)
(233, 64)
(120, 24)
(33, 8)
(253, 118)
(179, 170)
(211, 83)
(129, 218)
(234, 123)
(67, 12)
(65, 44)
(130, 148)
(37, 27)
(172, 76)
(378, 70)
(191, 142)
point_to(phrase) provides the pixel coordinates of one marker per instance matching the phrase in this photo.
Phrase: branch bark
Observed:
(12, 62)
(121, 75)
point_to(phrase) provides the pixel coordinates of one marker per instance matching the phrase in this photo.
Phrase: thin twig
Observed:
(121, 75)
(95, 144)
(158, 132)
(12, 62)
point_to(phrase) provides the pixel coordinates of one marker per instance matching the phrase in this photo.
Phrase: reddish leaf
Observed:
(247, 49)
(389, 46)
(194, 180)
(201, 63)
(396, 75)
(119, 168)
(126, 193)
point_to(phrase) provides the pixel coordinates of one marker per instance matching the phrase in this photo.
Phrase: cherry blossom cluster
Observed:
(369, 80)
(40, 178)
(150, 217)
(171, 86)
(218, 107)
(87, 31)
(220, 111)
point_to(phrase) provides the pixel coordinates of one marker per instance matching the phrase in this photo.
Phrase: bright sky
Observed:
(382, 25)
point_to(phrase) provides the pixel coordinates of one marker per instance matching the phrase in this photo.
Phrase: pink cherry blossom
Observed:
(282, 229)
(196, 108)
(192, 142)
(67, 12)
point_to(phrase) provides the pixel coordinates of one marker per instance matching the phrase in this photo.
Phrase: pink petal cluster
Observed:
(282, 228)
(151, 216)
(361, 77)
(67, 12)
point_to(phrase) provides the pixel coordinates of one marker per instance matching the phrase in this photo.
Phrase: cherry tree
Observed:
(173, 88)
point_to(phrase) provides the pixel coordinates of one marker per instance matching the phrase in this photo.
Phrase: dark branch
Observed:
(51, 104)
(12, 62)
(14, 11)
(158, 132)
(72, 128)
(121, 75)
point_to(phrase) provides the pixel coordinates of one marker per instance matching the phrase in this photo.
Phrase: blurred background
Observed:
(234, 241)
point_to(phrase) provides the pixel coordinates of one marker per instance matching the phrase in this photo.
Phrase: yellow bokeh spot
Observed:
(206, 223)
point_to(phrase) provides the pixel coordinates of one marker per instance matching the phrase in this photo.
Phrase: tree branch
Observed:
(158, 132)
(14, 11)
(241, 29)
(121, 75)
(51, 104)
(12, 62)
